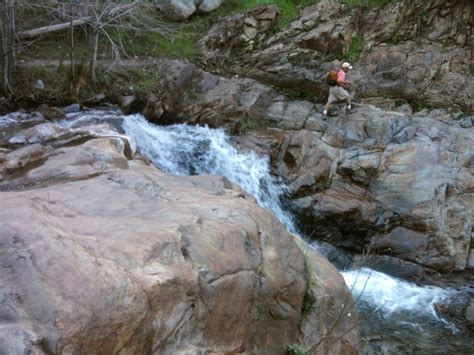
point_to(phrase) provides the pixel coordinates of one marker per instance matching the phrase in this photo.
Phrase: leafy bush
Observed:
(296, 349)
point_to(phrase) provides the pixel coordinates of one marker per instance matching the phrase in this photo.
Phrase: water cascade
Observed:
(191, 150)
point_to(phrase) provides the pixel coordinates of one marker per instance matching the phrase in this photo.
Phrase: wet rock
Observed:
(467, 122)
(131, 104)
(393, 266)
(72, 108)
(403, 243)
(51, 112)
(469, 313)
(96, 99)
(39, 133)
(337, 257)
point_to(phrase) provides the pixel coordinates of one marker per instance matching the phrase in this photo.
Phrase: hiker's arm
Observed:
(344, 82)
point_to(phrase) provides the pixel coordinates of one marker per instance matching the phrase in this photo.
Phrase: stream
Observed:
(396, 316)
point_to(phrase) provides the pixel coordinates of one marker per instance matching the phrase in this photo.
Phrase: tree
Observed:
(8, 28)
(99, 17)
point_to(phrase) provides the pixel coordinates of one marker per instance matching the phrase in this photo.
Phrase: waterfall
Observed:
(190, 150)
(193, 150)
(390, 308)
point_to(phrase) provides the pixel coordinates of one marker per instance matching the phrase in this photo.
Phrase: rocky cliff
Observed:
(407, 51)
(395, 184)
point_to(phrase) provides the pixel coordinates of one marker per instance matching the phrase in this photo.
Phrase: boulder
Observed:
(102, 253)
(177, 10)
(209, 5)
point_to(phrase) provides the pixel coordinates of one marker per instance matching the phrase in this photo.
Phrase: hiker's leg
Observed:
(326, 107)
(331, 99)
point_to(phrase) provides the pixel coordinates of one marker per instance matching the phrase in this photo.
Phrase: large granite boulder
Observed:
(103, 253)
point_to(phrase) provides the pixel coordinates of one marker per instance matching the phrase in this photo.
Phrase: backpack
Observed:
(331, 78)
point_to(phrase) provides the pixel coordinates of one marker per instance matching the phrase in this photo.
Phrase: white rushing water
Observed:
(191, 150)
(391, 295)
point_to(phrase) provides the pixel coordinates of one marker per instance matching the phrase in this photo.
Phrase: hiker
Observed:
(337, 80)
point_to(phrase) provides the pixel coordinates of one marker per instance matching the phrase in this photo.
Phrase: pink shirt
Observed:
(341, 76)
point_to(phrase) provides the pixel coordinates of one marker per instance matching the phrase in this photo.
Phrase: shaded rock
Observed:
(38, 85)
(467, 122)
(72, 108)
(50, 112)
(403, 243)
(131, 104)
(339, 258)
(96, 99)
(394, 266)
(335, 331)
(232, 35)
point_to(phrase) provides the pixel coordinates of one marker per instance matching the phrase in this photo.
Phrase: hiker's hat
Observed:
(346, 65)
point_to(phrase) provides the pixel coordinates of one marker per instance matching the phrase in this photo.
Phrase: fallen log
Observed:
(52, 28)
(108, 13)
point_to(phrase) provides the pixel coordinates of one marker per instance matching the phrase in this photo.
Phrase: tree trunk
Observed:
(94, 40)
(8, 45)
(93, 52)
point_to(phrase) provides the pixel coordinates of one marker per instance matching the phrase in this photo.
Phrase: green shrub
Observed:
(309, 299)
(296, 349)
(288, 8)
(356, 48)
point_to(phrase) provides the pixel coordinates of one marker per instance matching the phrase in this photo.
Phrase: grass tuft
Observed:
(309, 299)
(366, 3)
(357, 45)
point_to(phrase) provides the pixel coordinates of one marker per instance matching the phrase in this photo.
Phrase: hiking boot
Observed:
(350, 109)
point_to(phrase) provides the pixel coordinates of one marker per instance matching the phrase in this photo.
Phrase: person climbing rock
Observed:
(337, 81)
